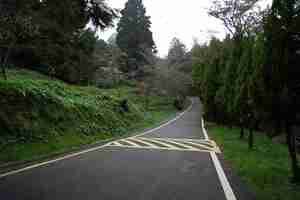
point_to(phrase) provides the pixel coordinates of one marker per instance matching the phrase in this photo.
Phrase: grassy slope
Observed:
(266, 169)
(39, 116)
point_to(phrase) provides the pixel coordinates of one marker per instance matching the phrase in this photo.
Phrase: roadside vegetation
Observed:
(62, 87)
(251, 78)
(43, 115)
(266, 168)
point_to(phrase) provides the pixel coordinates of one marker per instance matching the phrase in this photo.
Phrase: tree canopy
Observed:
(134, 35)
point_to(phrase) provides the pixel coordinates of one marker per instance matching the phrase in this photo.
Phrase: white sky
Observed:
(186, 20)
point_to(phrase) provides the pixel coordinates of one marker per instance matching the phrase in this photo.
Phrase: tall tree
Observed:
(177, 51)
(238, 16)
(134, 35)
(243, 19)
(282, 68)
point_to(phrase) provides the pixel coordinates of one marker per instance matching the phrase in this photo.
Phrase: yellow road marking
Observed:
(162, 143)
(129, 142)
(179, 144)
(162, 148)
(143, 142)
(168, 144)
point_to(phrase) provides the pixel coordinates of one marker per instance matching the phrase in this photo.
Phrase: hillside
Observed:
(40, 115)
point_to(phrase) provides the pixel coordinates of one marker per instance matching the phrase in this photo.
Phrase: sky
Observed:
(187, 20)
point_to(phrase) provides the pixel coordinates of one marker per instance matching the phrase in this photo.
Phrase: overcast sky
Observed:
(187, 20)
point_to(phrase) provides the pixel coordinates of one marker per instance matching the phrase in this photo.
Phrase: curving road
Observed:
(173, 162)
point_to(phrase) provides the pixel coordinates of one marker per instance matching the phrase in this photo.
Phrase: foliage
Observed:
(170, 82)
(15, 26)
(39, 109)
(281, 72)
(264, 169)
(134, 36)
(177, 51)
(239, 17)
(252, 80)
(50, 36)
(110, 62)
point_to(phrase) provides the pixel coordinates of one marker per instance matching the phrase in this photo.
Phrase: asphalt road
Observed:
(171, 163)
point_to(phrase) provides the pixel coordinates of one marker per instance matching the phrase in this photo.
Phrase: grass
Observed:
(42, 116)
(266, 169)
(28, 151)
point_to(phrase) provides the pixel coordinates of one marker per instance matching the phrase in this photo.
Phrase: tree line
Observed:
(251, 78)
(59, 38)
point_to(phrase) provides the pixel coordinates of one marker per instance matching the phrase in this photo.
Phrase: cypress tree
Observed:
(134, 35)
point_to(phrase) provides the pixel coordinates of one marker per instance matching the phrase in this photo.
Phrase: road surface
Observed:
(173, 162)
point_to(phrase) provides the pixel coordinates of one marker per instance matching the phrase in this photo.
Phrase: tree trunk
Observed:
(5, 59)
(242, 133)
(3, 71)
(292, 151)
(277, 130)
(3, 67)
(251, 138)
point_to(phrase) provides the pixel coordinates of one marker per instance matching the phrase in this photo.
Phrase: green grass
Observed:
(41, 149)
(266, 169)
(41, 116)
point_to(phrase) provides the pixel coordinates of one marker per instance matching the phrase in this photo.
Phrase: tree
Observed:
(57, 45)
(242, 98)
(177, 52)
(281, 73)
(16, 25)
(239, 16)
(244, 20)
(110, 61)
(134, 35)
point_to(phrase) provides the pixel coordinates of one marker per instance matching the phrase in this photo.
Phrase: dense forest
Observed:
(251, 78)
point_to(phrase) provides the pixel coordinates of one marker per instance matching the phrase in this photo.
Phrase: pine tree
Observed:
(134, 35)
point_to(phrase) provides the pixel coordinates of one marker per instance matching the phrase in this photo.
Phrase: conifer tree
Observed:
(134, 35)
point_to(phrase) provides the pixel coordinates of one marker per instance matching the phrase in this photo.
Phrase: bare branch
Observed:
(238, 16)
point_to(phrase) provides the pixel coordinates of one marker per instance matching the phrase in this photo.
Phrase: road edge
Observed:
(228, 191)
(79, 153)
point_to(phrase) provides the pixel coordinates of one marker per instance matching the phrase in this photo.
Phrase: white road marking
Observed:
(204, 146)
(51, 161)
(229, 194)
(225, 184)
(204, 130)
(114, 143)
(89, 150)
(169, 122)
